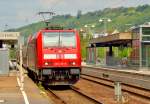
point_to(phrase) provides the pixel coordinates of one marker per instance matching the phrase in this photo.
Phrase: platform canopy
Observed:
(10, 38)
(9, 35)
(112, 40)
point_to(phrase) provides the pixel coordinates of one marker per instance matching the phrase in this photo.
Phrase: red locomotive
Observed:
(53, 56)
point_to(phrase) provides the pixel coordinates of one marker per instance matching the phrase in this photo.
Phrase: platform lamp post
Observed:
(89, 26)
(105, 20)
(93, 52)
(82, 33)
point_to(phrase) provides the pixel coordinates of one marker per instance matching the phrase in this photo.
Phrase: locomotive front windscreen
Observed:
(59, 39)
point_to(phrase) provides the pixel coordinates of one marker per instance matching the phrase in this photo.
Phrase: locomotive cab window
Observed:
(51, 39)
(67, 39)
(61, 39)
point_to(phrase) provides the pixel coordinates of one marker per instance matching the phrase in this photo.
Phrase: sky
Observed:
(17, 13)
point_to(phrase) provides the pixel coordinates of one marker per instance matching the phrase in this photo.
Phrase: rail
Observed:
(143, 93)
(56, 96)
(134, 78)
(85, 95)
(60, 96)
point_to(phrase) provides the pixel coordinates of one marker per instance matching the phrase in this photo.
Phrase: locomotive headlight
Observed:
(46, 63)
(73, 63)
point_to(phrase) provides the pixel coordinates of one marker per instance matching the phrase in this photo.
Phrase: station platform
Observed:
(142, 71)
(138, 77)
(10, 92)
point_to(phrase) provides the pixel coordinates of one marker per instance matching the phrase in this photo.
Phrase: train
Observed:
(53, 56)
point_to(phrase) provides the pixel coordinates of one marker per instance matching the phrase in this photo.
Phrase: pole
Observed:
(118, 92)
(140, 49)
(21, 69)
(105, 26)
(1, 44)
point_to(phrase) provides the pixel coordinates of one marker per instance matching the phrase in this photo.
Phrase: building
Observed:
(8, 38)
(141, 45)
(138, 39)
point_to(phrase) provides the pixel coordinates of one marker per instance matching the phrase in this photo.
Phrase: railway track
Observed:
(72, 95)
(130, 77)
(85, 95)
(56, 98)
(136, 91)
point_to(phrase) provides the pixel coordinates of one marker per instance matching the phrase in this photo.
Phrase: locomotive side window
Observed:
(51, 39)
(67, 39)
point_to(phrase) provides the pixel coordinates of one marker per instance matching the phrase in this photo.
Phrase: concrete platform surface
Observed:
(10, 92)
(35, 96)
(142, 71)
(138, 78)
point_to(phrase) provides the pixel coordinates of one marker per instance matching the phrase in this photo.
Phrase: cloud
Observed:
(47, 3)
(16, 13)
(67, 6)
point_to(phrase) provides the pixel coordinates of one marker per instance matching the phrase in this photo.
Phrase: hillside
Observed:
(120, 18)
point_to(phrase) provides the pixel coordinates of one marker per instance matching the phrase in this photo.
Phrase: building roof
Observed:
(9, 36)
(112, 38)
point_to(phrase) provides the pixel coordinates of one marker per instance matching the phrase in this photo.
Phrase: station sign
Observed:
(9, 35)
